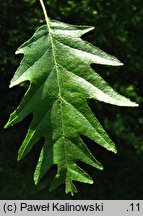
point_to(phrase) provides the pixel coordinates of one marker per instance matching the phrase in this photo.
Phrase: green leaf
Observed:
(57, 64)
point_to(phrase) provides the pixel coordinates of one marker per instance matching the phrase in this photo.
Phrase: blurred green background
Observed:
(118, 31)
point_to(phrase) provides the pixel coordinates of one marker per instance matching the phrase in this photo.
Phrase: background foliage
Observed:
(118, 31)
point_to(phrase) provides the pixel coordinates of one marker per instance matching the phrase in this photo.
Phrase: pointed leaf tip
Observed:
(36, 181)
(19, 157)
(6, 126)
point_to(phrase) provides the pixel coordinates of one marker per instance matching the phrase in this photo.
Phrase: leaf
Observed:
(57, 64)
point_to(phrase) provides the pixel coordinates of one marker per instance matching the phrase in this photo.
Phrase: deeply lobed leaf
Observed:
(57, 64)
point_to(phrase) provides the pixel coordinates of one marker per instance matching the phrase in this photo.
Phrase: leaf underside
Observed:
(57, 64)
